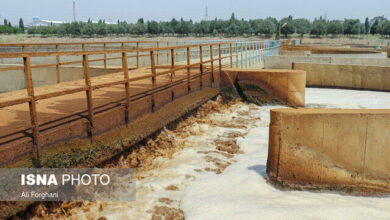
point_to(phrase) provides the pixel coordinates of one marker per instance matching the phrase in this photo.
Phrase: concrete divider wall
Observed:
(285, 62)
(14, 79)
(346, 76)
(329, 50)
(287, 85)
(330, 148)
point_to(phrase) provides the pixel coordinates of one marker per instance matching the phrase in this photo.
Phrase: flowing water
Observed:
(213, 166)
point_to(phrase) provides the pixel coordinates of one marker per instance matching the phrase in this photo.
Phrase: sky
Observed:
(165, 10)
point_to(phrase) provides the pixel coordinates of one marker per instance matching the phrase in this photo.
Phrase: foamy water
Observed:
(203, 181)
(242, 191)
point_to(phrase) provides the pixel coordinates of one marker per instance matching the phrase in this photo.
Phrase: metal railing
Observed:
(199, 60)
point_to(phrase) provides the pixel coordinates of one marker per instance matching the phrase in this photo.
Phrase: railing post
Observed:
(201, 65)
(167, 53)
(231, 56)
(88, 93)
(212, 63)
(236, 49)
(58, 64)
(188, 69)
(105, 57)
(125, 69)
(153, 68)
(157, 55)
(32, 108)
(173, 71)
(246, 55)
(219, 59)
(137, 54)
(242, 55)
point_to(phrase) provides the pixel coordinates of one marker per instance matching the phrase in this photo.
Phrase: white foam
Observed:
(242, 191)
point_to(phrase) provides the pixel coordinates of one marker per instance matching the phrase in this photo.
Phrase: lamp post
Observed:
(280, 29)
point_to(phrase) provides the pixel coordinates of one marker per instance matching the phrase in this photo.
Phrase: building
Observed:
(38, 22)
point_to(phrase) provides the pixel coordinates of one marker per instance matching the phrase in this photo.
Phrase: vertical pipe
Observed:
(125, 69)
(32, 107)
(89, 94)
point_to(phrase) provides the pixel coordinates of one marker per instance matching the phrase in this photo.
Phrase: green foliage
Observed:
(139, 27)
(153, 27)
(367, 26)
(375, 29)
(215, 27)
(352, 26)
(319, 27)
(335, 28)
(302, 25)
(289, 28)
(21, 25)
(386, 28)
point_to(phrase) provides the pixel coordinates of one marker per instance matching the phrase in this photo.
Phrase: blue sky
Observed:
(131, 10)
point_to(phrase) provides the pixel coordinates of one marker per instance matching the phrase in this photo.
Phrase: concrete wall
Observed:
(287, 85)
(329, 49)
(15, 80)
(330, 148)
(363, 56)
(346, 76)
(285, 62)
(294, 53)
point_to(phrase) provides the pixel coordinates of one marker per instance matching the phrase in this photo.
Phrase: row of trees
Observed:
(7, 27)
(231, 27)
(334, 27)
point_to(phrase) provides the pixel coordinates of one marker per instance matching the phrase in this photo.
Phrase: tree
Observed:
(21, 24)
(319, 27)
(183, 28)
(352, 26)
(139, 27)
(153, 27)
(367, 26)
(375, 28)
(5, 22)
(245, 27)
(302, 26)
(334, 27)
(87, 29)
(233, 27)
(174, 23)
(385, 28)
(289, 28)
(267, 27)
